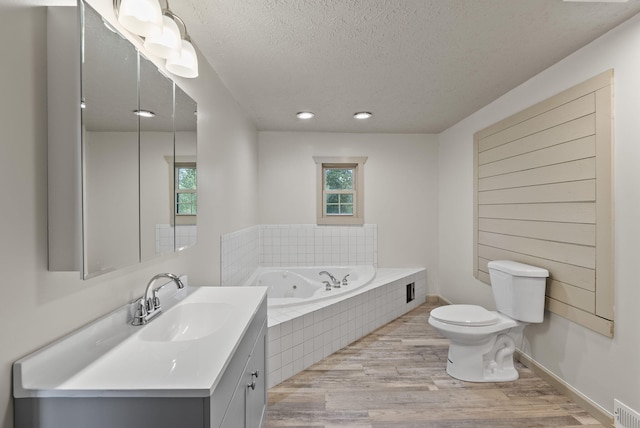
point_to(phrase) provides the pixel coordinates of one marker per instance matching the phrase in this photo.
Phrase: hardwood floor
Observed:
(395, 377)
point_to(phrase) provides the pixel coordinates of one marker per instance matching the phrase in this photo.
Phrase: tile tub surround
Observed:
(239, 255)
(169, 238)
(274, 245)
(303, 335)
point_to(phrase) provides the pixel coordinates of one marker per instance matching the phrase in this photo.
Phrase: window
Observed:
(186, 196)
(340, 194)
(339, 191)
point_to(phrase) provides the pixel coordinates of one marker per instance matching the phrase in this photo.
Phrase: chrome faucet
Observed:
(334, 281)
(148, 306)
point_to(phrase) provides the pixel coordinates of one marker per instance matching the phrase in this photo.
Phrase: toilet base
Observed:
(491, 361)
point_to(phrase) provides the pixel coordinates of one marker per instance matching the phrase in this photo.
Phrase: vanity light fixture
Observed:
(144, 113)
(167, 42)
(305, 115)
(361, 115)
(141, 17)
(184, 63)
(165, 36)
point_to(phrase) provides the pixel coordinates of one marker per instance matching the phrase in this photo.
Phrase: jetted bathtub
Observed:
(289, 286)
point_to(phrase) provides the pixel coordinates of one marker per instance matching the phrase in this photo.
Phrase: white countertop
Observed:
(83, 364)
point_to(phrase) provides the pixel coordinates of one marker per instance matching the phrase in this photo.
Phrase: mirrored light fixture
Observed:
(362, 115)
(168, 39)
(144, 113)
(305, 115)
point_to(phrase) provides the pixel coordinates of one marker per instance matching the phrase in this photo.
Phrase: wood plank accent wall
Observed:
(543, 195)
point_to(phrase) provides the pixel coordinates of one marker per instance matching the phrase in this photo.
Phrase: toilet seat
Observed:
(465, 315)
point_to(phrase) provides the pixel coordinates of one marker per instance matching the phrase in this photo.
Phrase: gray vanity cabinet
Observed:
(249, 400)
(240, 400)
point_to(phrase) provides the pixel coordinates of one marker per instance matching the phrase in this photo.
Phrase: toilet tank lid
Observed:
(518, 269)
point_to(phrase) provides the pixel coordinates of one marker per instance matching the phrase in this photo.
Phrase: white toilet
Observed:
(482, 341)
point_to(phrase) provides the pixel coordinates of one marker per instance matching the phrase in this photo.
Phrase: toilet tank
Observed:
(518, 289)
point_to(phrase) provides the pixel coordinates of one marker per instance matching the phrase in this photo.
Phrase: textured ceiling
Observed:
(418, 65)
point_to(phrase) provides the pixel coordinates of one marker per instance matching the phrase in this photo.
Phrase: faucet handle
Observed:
(152, 304)
(141, 307)
(140, 312)
(344, 280)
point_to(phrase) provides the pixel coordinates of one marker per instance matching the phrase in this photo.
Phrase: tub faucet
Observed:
(334, 281)
(148, 306)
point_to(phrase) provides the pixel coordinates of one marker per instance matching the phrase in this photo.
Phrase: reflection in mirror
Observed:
(109, 148)
(156, 146)
(185, 202)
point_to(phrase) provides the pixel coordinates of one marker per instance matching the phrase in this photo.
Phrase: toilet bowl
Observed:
(482, 342)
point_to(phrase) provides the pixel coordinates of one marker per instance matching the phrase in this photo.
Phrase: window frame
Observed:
(172, 165)
(331, 162)
(178, 191)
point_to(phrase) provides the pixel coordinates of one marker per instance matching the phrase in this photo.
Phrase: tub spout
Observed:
(334, 281)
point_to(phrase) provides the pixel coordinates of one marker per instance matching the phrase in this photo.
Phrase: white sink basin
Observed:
(189, 321)
(180, 353)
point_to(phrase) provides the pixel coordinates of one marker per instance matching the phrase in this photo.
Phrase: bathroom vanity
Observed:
(201, 363)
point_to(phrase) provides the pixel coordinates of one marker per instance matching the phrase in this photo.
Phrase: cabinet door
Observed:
(235, 416)
(257, 389)
(249, 402)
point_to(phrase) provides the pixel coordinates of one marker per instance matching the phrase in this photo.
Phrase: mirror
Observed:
(132, 210)
(110, 218)
(156, 146)
(185, 208)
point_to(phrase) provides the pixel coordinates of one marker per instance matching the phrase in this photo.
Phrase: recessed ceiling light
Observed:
(305, 115)
(362, 115)
(144, 113)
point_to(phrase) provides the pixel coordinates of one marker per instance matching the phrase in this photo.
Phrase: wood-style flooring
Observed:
(396, 377)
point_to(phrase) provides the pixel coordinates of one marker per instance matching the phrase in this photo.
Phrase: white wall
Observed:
(156, 180)
(401, 188)
(112, 223)
(598, 367)
(38, 306)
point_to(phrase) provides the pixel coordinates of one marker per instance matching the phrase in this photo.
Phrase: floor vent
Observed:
(624, 417)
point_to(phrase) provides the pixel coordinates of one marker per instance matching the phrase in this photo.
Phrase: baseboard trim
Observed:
(604, 417)
(432, 299)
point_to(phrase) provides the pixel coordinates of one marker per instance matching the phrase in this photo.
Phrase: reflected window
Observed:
(186, 195)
